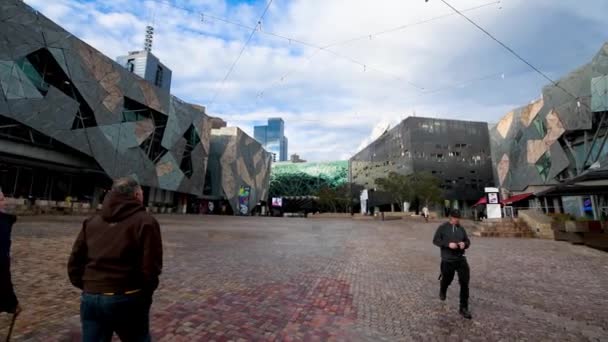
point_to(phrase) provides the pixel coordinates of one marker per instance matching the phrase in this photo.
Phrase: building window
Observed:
(134, 111)
(540, 126)
(543, 165)
(43, 71)
(131, 64)
(192, 140)
(158, 80)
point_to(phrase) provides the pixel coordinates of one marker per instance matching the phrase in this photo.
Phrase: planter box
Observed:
(595, 226)
(558, 226)
(596, 240)
(577, 227)
(575, 238)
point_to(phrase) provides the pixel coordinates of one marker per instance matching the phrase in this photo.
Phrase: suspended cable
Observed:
(510, 50)
(325, 48)
(406, 26)
(351, 40)
(216, 92)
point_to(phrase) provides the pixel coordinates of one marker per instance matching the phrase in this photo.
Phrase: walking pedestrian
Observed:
(425, 213)
(453, 241)
(8, 299)
(116, 260)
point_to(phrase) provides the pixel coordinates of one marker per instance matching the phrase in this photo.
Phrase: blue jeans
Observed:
(126, 315)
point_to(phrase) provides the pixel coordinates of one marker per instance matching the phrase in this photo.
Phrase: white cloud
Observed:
(331, 105)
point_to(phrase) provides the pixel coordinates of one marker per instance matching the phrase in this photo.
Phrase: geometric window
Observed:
(134, 111)
(158, 80)
(43, 71)
(543, 165)
(519, 135)
(192, 139)
(540, 126)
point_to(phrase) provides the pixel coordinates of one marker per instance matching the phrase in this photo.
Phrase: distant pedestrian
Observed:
(8, 299)
(116, 260)
(425, 213)
(453, 241)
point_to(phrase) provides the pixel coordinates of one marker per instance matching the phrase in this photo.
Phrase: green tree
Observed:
(335, 199)
(398, 186)
(426, 187)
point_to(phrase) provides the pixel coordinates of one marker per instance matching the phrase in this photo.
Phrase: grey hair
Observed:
(125, 185)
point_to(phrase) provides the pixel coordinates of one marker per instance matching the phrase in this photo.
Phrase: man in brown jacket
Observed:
(116, 260)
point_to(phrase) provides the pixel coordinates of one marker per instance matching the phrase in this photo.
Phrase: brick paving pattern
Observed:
(265, 279)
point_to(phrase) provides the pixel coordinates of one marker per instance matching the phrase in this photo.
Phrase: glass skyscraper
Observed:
(272, 137)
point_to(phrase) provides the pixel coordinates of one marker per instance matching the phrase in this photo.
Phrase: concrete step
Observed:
(504, 234)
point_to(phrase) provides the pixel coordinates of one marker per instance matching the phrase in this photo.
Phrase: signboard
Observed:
(493, 198)
(277, 202)
(493, 209)
(244, 192)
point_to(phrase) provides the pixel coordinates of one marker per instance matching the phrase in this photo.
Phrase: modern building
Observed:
(556, 147)
(147, 66)
(457, 152)
(295, 158)
(71, 119)
(272, 137)
(238, 171)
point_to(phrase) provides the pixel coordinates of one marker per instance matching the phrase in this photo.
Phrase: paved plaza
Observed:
(267, 279)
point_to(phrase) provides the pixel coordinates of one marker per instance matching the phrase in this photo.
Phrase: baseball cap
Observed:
(455, 213)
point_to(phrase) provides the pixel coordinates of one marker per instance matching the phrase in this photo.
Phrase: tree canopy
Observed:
(406, 188)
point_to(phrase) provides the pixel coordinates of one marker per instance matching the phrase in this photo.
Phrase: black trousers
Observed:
(448, 268)
(8, 300)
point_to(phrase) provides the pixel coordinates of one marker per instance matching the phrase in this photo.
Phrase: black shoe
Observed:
(464, 312)
(442, 295)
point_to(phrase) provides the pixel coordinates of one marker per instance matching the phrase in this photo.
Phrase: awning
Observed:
(516, 198)
(482, 201)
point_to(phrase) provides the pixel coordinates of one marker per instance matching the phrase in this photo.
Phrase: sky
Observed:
(339, 72)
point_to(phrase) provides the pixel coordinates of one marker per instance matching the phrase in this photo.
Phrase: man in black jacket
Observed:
(116, 260)
(453, 241)
(8, 300)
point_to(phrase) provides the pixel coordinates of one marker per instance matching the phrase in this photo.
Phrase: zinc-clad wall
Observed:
(92, 82)
(456, 152)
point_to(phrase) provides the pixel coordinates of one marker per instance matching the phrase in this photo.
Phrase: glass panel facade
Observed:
(543, 165)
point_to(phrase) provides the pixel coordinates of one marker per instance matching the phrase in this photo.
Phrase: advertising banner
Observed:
(277, 202)
(244, 193)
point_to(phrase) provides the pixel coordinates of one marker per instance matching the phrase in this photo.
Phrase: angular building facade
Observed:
(239, 169)
(71, 119)
(554, 146)
(456, 152)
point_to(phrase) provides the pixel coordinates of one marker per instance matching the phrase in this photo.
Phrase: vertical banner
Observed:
(244, 192)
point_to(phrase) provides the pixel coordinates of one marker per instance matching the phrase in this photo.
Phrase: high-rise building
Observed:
(272, 137)
(147, 66)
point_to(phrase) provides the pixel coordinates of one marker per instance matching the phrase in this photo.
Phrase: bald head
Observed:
(128, 186)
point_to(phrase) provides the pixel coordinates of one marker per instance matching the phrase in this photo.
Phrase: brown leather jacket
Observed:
(118, 250)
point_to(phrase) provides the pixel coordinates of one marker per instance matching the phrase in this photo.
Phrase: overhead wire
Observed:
(231, 69)
(362, 37)
(325, 48)
(514, 53)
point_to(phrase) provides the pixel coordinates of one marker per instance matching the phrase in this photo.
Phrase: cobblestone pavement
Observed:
(242, 279)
